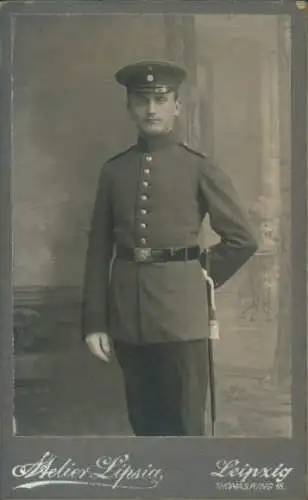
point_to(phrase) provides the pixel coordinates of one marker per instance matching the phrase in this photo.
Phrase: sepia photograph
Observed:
(151, 225)
(153, 241)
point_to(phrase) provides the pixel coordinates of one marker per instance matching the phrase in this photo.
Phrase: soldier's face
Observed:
(153, 114)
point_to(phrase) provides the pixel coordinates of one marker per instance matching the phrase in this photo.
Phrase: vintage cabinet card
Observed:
(216, 161)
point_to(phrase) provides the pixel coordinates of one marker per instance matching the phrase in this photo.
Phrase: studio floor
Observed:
(65, 390)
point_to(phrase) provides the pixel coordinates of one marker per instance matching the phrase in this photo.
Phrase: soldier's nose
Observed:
(151, 108)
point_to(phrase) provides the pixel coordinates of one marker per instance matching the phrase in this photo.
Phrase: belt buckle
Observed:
(142, 254)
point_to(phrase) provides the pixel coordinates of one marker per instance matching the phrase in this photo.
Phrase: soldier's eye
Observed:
(161, 99)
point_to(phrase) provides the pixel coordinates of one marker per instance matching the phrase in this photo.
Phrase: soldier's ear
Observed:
(178, 107)
(129, 108)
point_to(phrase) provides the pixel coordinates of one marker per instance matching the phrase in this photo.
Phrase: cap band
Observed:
(156, 89)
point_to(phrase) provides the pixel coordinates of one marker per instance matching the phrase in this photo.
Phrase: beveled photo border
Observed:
(183, 466)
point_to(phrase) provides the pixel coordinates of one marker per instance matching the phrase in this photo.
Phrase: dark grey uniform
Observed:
(156, 195)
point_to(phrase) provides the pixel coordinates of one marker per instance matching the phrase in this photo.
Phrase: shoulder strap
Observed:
(118, 155)
(197, 153)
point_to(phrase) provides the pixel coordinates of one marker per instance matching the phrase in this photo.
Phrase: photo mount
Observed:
(172, 467)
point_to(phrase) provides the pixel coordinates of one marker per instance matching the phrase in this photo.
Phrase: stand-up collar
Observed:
(154, 143)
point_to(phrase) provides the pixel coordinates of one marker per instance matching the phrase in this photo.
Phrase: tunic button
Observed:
(143, 211)
(145, 183)
(144, 197)
(147, 171)
(143, 241)
(143, 225)
(148, 158)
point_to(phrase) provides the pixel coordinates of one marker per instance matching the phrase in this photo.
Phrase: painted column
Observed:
(268, 206)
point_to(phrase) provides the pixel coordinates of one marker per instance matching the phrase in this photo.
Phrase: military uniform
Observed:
(144, 284)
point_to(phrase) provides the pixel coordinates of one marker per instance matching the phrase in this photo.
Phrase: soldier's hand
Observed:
(99, 345)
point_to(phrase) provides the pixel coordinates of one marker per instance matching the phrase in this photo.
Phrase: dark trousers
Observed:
(165, 387)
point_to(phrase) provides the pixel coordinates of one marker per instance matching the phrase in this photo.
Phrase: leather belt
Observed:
(152, 255)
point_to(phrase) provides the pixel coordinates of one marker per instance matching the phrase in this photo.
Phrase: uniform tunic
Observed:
(156, 194)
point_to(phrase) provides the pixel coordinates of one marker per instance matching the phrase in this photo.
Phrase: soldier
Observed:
(144, 286)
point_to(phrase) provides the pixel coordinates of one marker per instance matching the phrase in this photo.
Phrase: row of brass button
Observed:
(144, 197)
